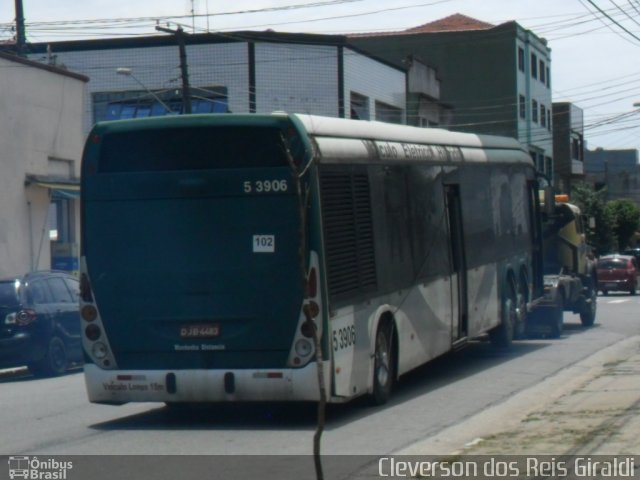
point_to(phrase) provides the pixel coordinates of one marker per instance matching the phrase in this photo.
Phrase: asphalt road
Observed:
(53, 417)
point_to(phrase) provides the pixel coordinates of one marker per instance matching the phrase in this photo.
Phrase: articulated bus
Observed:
(207, 241)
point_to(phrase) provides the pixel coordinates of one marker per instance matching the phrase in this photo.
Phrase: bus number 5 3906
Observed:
(265, 186)
(344, 337)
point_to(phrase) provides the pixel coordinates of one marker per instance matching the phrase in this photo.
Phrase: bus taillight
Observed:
(89, 312)
(100, 351)
(307, 328)
(312, 283)
(303, 348)
(85, 288)
(93, 332)
(312, 309)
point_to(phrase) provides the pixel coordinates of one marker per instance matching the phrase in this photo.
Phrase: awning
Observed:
(60, 187)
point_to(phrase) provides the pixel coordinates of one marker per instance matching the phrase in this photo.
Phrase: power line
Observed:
(630, 17)
(614, 21)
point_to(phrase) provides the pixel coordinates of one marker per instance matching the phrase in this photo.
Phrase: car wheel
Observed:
(54, 362)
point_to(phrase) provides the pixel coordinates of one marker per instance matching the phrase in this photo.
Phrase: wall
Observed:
(298, 76)
(375, 80)
(40, 129)
(537, 136)
(297, 79)
(479, 74)
(157, 67)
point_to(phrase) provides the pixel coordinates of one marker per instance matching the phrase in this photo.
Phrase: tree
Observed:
(626, 215)
(592, 204)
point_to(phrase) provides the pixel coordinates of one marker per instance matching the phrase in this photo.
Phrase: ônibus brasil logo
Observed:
(38, 469)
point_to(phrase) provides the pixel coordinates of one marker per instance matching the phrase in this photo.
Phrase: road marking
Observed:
(624, 300)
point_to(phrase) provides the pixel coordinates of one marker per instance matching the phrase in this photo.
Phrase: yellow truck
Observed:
(570, 282)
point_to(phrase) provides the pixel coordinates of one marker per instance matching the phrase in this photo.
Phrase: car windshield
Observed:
(9, 292)
(612, 263)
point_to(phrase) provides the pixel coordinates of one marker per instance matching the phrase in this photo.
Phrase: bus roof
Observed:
(339, 140)
(356, 141)
(383, 131)
(320, 126)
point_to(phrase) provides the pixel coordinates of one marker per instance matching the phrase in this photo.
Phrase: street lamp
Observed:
(127, 72)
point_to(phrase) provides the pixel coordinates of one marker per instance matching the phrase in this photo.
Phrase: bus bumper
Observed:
(122, 386)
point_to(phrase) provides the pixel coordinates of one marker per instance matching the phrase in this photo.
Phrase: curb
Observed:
(508, 415)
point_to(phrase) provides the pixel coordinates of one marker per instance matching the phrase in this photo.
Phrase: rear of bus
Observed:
(190, 273)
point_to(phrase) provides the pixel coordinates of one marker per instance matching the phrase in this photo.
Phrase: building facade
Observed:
(424, 107)
(241, 72)
(497, 79)
(568, 145)
(41, 133)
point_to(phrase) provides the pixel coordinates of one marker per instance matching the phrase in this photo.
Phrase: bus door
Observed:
(458, 263)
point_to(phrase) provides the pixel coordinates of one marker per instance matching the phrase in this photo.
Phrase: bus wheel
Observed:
(519, 329)
(54, 362)
(502, 335)
(383, 365)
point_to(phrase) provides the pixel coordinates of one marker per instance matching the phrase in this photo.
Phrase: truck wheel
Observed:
(557, 320)
(588, 312)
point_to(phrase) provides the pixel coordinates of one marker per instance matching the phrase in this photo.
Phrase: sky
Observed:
(595, 43)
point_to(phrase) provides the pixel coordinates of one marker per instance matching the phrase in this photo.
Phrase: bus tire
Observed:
(383, 364)
(502, 335)
(54, 362)
(520, 328)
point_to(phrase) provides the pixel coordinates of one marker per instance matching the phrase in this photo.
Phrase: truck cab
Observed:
(570, 282)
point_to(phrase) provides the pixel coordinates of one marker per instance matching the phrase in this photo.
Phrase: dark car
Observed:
(617, 273)
(40, 322)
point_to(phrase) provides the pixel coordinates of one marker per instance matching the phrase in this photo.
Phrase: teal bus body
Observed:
(192, 241)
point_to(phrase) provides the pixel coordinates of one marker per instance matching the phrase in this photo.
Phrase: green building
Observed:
(494, 79)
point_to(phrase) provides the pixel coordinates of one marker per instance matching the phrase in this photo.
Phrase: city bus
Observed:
(216, 248)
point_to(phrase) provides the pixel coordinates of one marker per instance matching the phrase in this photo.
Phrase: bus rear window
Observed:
(191, 149)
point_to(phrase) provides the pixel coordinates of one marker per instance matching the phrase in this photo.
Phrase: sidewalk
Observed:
(590, 408)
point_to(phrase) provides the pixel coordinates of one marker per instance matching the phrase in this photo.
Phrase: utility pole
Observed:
(21, 38)
(184, 71)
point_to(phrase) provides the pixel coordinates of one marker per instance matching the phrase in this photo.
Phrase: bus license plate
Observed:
(200, 331)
